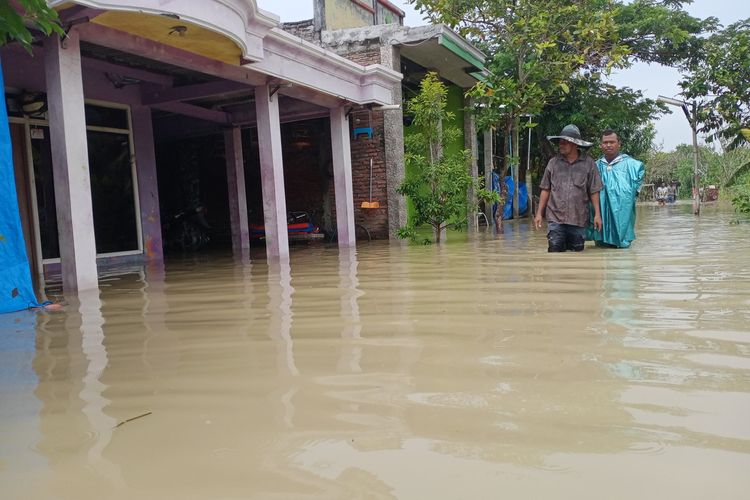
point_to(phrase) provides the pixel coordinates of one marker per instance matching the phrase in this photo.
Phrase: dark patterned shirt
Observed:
(571, 186)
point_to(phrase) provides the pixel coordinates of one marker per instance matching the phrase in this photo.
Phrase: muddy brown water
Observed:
(479, 369)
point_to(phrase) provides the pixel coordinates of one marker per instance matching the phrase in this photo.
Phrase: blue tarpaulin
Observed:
(523, 196)
(16, 290)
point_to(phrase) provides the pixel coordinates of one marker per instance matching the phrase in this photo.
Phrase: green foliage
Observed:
(740, 193)
(719, 79)
(725, 169)
(13, 23)
(661, 32)
(534, 48)
(439, 184)
(548, 56)
(674, 165)
(741, 200)
(594, 106)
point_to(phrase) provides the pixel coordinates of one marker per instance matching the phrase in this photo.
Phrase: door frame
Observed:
(28, 185)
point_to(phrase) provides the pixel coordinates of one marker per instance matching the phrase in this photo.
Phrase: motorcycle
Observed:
(187, 230)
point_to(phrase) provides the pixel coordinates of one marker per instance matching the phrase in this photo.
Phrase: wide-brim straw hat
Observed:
(570, 133)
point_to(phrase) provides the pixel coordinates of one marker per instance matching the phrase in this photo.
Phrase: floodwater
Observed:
(476, 370)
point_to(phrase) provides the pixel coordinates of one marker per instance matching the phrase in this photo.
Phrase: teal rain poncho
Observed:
(622, 180)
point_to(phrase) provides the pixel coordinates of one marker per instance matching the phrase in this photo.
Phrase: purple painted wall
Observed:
(26, 72)
(148, 191)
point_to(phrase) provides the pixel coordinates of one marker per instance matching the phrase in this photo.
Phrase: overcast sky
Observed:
(652, 80)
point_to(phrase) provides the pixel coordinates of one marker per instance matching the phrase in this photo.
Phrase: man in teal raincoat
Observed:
(622, 177)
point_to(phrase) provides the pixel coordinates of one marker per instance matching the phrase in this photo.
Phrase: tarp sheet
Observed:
(523, 196)
(16, 290)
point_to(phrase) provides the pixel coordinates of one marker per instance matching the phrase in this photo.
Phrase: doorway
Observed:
(26, 202)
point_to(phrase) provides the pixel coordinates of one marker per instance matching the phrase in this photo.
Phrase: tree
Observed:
(595, 106)
(14, 22)
(660, 31)
(439, 182)
(534, 49)
(719, 80)
(549, 56)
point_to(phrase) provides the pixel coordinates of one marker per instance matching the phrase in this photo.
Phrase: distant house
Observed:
(372, 32)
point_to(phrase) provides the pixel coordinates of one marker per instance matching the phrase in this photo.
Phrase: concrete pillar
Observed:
(67, 122)
(237, 196)
(393, 131)
(148, 187)
(342, 177)
(470, 143)
(488, 139)
(271, 172)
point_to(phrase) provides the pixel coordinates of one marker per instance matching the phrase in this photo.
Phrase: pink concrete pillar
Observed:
(148, 188)
(237, 195)
(70, 163)
(271, 172)
(342, 177)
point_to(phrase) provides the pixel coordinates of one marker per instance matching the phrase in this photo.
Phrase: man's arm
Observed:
(543, 198)
(597, 211)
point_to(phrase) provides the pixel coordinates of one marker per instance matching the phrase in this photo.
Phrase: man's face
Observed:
(610, 145)
(566, 147)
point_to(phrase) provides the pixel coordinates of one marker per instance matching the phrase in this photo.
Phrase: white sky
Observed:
(652, 80)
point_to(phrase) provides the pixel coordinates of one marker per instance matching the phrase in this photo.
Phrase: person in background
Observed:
(570, 181)
(671, 193)
(622, 177)
(676, 185)
(661, 195)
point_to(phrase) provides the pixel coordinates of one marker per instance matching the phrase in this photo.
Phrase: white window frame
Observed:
(29, 122)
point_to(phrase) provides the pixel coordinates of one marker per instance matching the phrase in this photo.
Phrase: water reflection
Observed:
(280, 311)
(452, 371)
(351, 353)
(19, 407)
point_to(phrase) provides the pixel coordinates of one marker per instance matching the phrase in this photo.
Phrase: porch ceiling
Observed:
(225, 30)
(176, 91)
(435, 47)
(190, 60)
(436, 54)
(127, 62)
(174, 33)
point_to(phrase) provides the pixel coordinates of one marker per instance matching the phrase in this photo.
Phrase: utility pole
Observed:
(692, 118)
(696, 171)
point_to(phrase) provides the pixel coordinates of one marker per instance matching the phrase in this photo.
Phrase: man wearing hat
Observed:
(570, 181)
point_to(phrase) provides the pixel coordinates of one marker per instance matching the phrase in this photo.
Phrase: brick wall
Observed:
(303, 29)
(363, 149)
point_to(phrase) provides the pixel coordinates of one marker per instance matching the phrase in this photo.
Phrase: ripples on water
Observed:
(480, 369)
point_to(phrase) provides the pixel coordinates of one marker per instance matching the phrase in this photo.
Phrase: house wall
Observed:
(303, 29)
(341, 14)
(24, 71)
(455, 105)
(363, 149)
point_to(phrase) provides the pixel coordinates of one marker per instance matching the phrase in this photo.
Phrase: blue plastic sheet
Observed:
(523, 196)
(16, 290)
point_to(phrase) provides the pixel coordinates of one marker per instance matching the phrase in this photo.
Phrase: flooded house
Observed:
(373, 32)
(145, 109)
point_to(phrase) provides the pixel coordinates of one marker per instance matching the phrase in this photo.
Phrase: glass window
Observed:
(100, 116)
(45, 191)
(112, 192)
